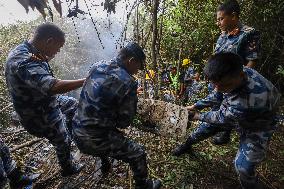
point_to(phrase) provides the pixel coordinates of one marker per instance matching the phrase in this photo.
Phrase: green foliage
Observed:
(190, 25)
(280, 70)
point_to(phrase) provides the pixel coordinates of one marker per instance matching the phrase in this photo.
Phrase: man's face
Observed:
(225, 21)
(228, 83)
(133, 65)
(53, 47)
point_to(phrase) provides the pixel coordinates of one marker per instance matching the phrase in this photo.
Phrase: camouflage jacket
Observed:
(108, 99)
(252, 106)
(244, 42)
(29, 79)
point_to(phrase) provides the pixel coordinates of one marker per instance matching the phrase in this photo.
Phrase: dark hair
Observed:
(132, 50)
(48, 30)
(223, 64)
(229, 7)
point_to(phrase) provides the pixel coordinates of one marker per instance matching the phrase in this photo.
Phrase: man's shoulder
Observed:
(248, 29)
(110, 70)
(19, 53)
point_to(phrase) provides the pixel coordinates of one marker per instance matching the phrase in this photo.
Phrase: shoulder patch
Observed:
(247, 29)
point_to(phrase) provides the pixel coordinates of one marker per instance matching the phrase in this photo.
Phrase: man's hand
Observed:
(64, 86)
(140, 90)
(191, 108)
(193, 115)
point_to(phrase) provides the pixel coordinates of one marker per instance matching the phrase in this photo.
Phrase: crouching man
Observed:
(249, 106)
(107, 103)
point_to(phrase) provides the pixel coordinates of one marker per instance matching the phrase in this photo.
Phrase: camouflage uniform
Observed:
(107, 103)
(7, 164)
(243, 41)
(42, 114)
(194, 90)
(251, 110)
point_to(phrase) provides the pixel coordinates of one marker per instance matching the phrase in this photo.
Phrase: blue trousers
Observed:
(252, 149)
(7, 164)
(59, 133)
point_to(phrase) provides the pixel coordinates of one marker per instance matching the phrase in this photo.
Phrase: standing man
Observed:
(108, 103)
(34, 90)
(237, 38)
(250, 104)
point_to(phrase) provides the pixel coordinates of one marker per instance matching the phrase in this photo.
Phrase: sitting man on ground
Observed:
(250, 105)
(34, 90)
(108, 103)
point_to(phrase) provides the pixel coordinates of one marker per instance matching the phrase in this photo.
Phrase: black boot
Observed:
(72, 169)
(19, 180)
(149, 184)
(222, 138)
(183, 148)
(106, 166)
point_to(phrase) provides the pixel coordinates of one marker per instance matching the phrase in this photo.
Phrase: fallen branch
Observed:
(13, 132)
(6, 107)
(26, 144)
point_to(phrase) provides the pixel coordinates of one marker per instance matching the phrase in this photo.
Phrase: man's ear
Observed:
(49, 40)
(242, 75)
(234, 16)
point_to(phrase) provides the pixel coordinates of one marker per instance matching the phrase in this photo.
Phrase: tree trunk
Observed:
(154, 40)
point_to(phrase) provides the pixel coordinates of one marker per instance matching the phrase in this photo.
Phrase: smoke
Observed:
(87, 43)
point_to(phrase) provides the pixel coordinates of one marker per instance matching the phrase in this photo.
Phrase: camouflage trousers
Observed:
(252, 149)
(113, 144)
(59, 133)
(7, 164)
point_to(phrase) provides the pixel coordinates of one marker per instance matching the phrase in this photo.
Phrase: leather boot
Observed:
(19, 180)
(222, 138)
(149, 184)
(183, 148)
(72, 169)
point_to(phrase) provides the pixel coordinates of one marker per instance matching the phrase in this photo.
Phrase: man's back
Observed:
(108, 96)
(253, 105)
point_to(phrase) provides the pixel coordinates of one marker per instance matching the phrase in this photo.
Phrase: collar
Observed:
(235, 31)
(35, 53)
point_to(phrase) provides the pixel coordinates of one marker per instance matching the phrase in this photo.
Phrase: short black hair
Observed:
(222, 65)
(229, 7)
(132, 50)
(48, 30)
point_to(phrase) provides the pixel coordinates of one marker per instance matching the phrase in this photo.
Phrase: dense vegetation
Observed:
(187, 29)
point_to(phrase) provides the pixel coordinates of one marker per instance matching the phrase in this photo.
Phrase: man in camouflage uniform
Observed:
(34, 90)
(237, 38)
(9, 170)
(249, 106)
(108, 103)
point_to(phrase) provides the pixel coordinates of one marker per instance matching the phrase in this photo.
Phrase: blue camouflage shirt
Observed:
(244, 42)
(29, 79)
(252, 106)
(108, 99)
